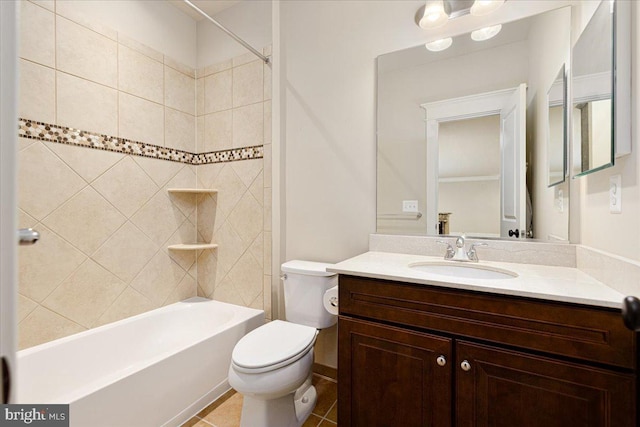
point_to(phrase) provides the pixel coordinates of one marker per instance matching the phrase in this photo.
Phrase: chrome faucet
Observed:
(459, 253)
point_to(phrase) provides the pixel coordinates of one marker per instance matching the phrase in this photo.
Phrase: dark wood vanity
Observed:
(416, 355)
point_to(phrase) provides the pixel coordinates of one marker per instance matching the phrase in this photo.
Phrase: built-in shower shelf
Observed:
(192, 246)
(192, 190)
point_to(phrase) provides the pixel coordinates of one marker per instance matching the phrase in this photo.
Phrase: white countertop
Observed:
(534, 281)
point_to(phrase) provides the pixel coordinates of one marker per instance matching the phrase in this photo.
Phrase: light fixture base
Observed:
(453, 8)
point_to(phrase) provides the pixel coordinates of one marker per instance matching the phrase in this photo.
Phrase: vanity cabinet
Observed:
(416, 355)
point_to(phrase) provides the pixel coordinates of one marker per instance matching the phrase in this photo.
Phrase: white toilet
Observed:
(271, 365)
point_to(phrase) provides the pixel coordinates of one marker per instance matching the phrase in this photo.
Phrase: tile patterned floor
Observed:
(225, 412)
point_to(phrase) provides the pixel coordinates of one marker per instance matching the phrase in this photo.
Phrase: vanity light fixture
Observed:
(434, 15)
(485, 7)
(438, 45)
(485, 33)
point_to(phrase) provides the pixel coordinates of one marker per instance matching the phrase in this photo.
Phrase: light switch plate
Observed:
(615, 194)
(409, 206)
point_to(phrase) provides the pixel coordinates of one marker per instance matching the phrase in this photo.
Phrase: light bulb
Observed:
(485, 33)
(484, 7)
(434, 15)
(438, 45)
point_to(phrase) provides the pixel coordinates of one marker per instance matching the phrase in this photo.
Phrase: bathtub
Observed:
(155, 369)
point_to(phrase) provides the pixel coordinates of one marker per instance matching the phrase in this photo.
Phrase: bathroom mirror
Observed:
(442, 120)
(592, 92)
(557, 129)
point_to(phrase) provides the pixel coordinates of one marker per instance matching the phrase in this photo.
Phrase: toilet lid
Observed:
(273, 343)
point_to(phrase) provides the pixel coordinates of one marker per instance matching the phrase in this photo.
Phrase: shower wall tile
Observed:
(37, 91)
(267, 81)
(86, 294)
(140, 75)
(43, 325)
(89, 164)
(266, 107)
(25, 306)
(218, 131)
(85, 53)
(158, 218)
(248, 125)
(86, 220)
(179, 130)
(139, 47)
(37, 34)
(184, 69)
(69, 10)
(218, 92)
(216, 68)
(140, 120)
(86, 105)
(129, 303)
(248, 84)
(158, 278)
(246, 218)
(39, 170)
(200, 96)
(257, 189)
(179, 91)
(50, 5)
(243, 59)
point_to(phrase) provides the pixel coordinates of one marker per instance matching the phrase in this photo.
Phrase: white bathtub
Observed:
(155, 369)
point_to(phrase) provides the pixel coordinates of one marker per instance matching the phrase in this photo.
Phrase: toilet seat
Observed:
(272, 346)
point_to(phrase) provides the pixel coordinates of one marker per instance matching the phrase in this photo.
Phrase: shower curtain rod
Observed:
(266, 59)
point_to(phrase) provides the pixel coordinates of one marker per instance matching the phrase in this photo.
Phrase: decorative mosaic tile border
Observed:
(64, 135)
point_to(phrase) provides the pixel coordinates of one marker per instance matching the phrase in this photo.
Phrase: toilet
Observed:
(271, 365)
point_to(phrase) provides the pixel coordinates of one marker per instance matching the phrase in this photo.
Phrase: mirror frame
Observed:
(565, 128)
(620, 86)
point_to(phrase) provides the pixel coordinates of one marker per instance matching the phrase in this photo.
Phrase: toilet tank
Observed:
(305, 283)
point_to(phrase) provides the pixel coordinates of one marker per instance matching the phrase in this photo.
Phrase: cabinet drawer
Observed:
(586, 333)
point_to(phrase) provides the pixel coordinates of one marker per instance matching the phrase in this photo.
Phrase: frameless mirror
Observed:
(592, 88)
(557, 129)
(462, 137)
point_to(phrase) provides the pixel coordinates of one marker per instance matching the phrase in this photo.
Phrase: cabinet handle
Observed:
(441, 361)
(465, 365)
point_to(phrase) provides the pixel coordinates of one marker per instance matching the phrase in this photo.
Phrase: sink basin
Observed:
(463, 271)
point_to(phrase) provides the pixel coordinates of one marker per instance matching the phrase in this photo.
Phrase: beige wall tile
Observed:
(247, 278)
(226, 292)
(267, 161)
(178, 66)
(266, 295)
(247, 170)
(257, 249)
(216, 68)
(25, 220)
(200, 96)
(248, 84)
(187, 288)
(140, 48)
(86, 220)
(230, 189)
(218, 93)
(246, 218)
(87, 163)
(42, 326)
(129, 303)
(39, 170)
(179, 91)
(267, 252)
(209, 272)
(37, 34)
(42, 267)
(126, 186)
(25, 143)
(85, 295)
(158, 219)
(267, 50)
(208, 217)
(86, 105)
(244, 59)
(267, 122)
(186, 178)
(47, 4)
(85, 53)
(160, 171)
(159, 278)
(179, 130)
(230, 247)
(248, 125)
(257, 189)
(185, 234)
(140, 120)
(25, 306)
(218, 131)
(37, 98)
(140, 75)
(126, 252)
(258, 302)
(208, 173)
(267, 209)
(267, 81)
(69, 10)
(200, 145)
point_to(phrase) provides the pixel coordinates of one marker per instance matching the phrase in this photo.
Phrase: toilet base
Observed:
(291, 410)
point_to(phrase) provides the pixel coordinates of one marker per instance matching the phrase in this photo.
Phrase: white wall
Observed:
(157, 24)
(250, 20)
(326, 122)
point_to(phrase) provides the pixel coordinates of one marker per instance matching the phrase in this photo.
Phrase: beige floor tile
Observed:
(224, 414)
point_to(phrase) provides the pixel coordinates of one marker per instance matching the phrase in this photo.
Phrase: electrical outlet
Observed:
(409, 206)
(615, 194)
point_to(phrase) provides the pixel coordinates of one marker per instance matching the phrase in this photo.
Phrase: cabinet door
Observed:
(502, 388)
(391, 377)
